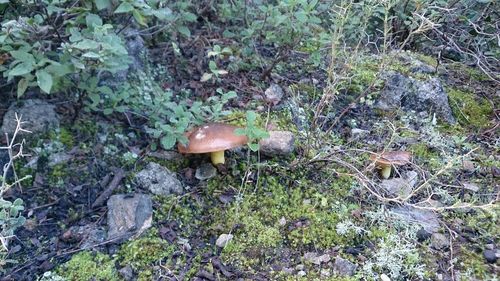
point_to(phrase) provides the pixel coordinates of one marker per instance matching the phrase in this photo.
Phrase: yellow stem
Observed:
(217, 157)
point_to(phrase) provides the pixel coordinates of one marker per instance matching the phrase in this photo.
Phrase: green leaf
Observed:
(167, 141)
(22, 85)
(107, 111)
(253, 146)
(44, 80)
(22, 56)
(102, 4)
(212, 66)
(184, 31)
(93, 20)
(139, 18)
(124, 7)
(21, 69)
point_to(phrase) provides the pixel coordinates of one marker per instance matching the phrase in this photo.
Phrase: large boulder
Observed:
(38, 115)
(412, 94)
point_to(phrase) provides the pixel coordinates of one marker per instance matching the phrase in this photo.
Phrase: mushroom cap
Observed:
(212, 137)
(391, 157)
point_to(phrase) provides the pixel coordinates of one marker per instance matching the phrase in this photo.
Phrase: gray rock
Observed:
(273, 94)
(58, 158)
(439, 241)
(87, 235)
(316, 259)
(491, 256)
(397, 187)
(205, 171)
(136, 48)
(357, 134)
(425, 218)
(344, 267)
(159, 180)
(127, 273)
(129, 215)
(428, 96)
(39, 116)
(223, 240)
(325, 272)
(278, 143)
(471, 187)
(287, 270)
(301, 273)
(423, 235)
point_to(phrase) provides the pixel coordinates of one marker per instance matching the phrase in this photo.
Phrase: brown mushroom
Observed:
(385, 160)
(212, 138)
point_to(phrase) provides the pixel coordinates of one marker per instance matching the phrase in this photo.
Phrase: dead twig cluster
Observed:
(15, 150)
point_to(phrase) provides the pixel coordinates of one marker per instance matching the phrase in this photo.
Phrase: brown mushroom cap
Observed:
(391, 157)
(212, 137)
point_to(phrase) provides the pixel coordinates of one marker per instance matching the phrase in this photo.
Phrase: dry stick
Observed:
(119, 175)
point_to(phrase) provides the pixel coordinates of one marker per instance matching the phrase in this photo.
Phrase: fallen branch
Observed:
(119, 175)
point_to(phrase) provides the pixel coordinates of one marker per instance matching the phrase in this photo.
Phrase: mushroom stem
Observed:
(217, 157)
(385, 171)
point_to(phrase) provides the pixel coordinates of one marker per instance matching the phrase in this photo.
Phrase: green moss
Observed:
(64, 136)
(185, 210)
(57, 174)
(470, 110)
(143, 252)
(474, 263)
(89, 266)
(309, 211)
(426, 155)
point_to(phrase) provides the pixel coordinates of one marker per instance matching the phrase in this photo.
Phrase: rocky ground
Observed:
(103, 205)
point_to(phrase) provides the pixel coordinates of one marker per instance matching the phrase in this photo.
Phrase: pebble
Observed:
(490, 256)
(223, 240)
(205, 171)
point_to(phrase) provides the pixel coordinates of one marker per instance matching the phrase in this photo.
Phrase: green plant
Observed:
(252, 131)
(216, 53)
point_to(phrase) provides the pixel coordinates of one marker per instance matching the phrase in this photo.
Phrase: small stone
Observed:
(301, 273)
(397, 187)
(384, 277)
(273, 94)
(315, 259)
(425, 218)
(344, 267)
(282, 221)
(129, 214)
(439, 241)
(325, 272)
(58, 158)
(223, 240)
(357, 134)
(471, 187)
(205, 171)
(299, 267)
(490, 256)
(159, 180)
(127, 273)
(287, 270)
(468, 166)
(278, 143)
(423, 235)
(411, 177)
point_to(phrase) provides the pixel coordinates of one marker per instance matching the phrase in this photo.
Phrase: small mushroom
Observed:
(212, 138)
(385, 160)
